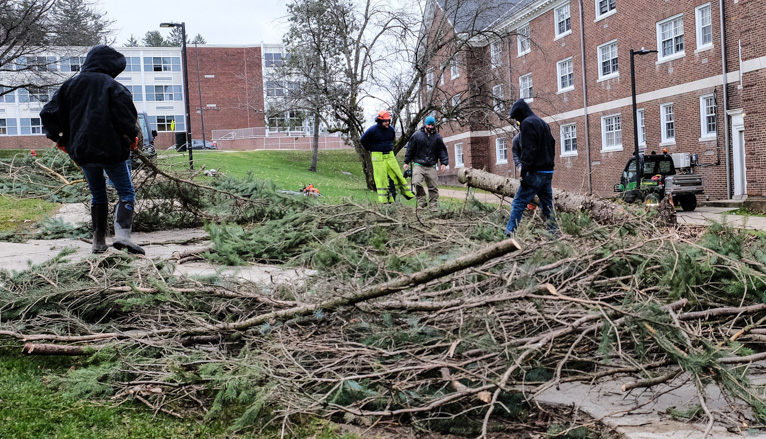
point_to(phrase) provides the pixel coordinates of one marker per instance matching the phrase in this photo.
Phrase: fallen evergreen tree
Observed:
(435, 321)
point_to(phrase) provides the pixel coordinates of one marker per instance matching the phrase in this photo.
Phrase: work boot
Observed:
(98, 216)
(123, 225)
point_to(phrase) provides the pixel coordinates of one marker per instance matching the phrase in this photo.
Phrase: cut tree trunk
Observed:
(600, 210)
(51, 349)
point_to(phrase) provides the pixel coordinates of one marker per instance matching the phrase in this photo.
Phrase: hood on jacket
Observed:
(521, 110)
(104, 59)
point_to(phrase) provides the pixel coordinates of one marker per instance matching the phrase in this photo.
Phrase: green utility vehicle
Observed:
(659, 179)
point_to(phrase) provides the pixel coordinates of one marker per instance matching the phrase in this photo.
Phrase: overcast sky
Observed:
(220, 22)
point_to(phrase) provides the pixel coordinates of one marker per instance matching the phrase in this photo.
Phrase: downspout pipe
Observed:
(585, 102)
(725, 87)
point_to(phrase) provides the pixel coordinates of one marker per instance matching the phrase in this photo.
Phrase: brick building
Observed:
(230, 80)
(571, 61)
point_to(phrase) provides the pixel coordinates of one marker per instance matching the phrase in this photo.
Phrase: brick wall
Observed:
(680, 82)
(231, 82)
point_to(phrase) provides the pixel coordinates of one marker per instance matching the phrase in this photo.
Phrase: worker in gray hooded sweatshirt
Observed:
(92, 118)
(537, 156)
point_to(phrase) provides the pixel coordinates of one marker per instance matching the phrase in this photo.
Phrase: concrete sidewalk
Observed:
(702, 215)
(164, 245)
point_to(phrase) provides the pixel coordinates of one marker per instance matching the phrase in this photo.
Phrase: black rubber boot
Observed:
(123, 225)
(99, 214)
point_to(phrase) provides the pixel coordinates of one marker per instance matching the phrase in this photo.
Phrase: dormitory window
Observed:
(496, 54)
(31, 125)
(454, 69)
(607, 56)
(708, 116)
(604, 7)
(670, 37)
(641, 128)
(9, 97)
(704, 27)
(525, 86)
(168, 123)
(668, 124)
(430, 79)
(522, 39)
(459, 155)
(162, 64)
(563, 21)
(502, 152)
(273, 59)
(8, 126)
(133, 64)
(566, 77)
(72, 64)
(160, 93)
(569, 139)
(497, 97)
(3, 127)
(611, 130)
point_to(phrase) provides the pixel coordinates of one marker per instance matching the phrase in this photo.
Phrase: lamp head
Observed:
(171, 24)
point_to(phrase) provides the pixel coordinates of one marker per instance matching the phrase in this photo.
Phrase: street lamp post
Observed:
(639, 168)
(199, 91)
(182, 25)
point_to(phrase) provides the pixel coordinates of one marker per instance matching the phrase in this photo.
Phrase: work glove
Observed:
(132, 143)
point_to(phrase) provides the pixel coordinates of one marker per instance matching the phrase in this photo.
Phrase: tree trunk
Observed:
(600, 210)
(315, 145)
(364, 157)
(51, 349)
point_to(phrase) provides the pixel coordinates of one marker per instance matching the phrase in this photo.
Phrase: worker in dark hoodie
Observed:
(92, 118)
(537, 155)
(379, 141)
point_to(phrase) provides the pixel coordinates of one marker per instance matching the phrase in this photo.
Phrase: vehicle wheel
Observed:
(652, 200)
(631, 197)
(688, 203)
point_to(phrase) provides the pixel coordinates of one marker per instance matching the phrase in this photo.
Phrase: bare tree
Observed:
(347, 43)
(30, 29)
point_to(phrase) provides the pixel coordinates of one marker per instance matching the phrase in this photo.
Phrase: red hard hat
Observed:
(383, 115)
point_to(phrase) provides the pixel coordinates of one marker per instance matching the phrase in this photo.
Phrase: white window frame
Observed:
(500, 142)
(523, 88)
(698, 15)
(612, 11)
(602, 52)
(675, 20)
(605, 120)
(668, 124)
(523, 42)
(641, 121)
(455, 100)
(496, 54)
(562, 70)
(705, 132)
(429, 79)
(568, 133)
(562, 15)
(459, 155)
(497, 97)
(454, 68)
(441, 74)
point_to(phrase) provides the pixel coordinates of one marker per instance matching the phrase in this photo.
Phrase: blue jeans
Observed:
(533, 183)
(119, 174)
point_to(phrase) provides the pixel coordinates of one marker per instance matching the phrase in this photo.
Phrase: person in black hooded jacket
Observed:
(92, 117)
(537, 155)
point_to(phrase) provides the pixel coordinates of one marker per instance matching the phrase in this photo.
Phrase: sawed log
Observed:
(600, 210)
(51, 349)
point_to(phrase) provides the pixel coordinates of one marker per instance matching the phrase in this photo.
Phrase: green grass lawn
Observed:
(339, 173)
(16, 214)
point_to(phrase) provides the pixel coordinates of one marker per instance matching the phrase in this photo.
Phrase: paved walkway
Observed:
(702, 216)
